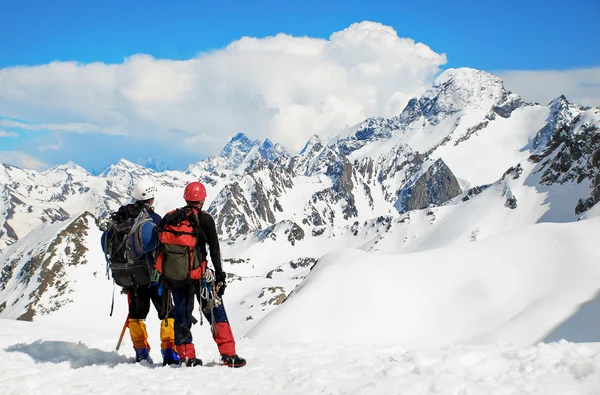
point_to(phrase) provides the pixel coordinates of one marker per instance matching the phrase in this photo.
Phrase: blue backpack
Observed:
(126, 242)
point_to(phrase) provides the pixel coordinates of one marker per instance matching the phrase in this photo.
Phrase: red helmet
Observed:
(194, 192)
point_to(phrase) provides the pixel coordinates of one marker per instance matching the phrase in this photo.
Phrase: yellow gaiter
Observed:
(139, 336)
(167, 333)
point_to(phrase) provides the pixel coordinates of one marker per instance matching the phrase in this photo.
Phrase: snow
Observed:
(37, 359)
(513, 287)
(500, 145)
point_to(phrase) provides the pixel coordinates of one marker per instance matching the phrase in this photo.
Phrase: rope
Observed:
(210, 297)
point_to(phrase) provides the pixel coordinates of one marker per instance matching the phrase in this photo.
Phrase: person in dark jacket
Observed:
(209, 298)
(140, 296)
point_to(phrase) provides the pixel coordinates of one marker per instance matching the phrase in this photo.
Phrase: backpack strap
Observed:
(137, 239)
(197, 227)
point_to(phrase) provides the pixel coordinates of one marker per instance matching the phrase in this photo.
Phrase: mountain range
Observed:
(468, 162)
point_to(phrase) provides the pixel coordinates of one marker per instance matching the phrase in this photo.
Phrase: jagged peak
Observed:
(457, 90)
(561, 103)
(237, 148)
(267, 143)
(312, 141)
(561, 108)
(127, 163)
(271, 151)
(558, 102)
(122, 166)
(239, 137)
(153, 164)
(465, 86)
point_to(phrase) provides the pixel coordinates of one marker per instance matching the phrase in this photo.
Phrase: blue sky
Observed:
(488, 35)
(493, 36)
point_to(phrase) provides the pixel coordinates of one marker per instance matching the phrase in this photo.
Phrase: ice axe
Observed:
(125, 325)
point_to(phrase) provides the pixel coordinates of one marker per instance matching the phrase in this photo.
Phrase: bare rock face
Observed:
(571, 152)
(252, 202)
(39, 272)
(436, 186)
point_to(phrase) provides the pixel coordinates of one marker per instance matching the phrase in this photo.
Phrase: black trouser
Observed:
(139, 304)
(183, 298)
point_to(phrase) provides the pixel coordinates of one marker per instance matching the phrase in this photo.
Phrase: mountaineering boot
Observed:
(233, 361)
(190, 362)
(142, 354)
(187, 355)
(170, 357)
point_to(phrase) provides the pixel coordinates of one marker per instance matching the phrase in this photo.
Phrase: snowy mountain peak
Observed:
(153, 164)
(465, 76)
(121, 168)
(271, 151)
(457, 92)
(316, 157)
(124, 163)
(562, 105)
(70, 168)
(558, 102)
(240, 137)
(457, 89)
(237, 149)
(561, 114)
(314, 140)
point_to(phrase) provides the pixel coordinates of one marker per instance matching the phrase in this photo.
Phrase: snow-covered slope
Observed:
(513, 288)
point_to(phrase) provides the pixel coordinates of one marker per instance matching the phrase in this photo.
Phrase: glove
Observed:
(221, 280)
(155, 278)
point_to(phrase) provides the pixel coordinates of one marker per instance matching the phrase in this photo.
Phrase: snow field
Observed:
(38, 359)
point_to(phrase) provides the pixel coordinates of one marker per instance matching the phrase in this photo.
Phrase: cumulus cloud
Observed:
(4, 133)
(22, 160)
(282, 87)
(581, 86)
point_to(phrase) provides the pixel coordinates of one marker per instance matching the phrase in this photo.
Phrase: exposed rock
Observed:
(511, 200)
(279, 296)
(472, 192)
(470, 131)
(436, 186)
(370, 130)
(231, 216)
(49, 267)
(510, 103)
(295, 233)
(561, 115)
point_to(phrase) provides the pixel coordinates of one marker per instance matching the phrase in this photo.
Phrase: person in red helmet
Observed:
(208, 288)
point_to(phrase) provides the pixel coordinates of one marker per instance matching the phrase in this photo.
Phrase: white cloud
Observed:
(4, 133)
(22, 160)
(51, 147)
(581, 86)
(73, 127)
(282, 87)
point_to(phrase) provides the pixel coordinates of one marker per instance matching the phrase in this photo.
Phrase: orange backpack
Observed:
(179, 258)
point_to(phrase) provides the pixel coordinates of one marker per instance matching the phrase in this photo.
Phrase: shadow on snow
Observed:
(77, 354)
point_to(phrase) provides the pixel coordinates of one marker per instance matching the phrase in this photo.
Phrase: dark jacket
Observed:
(209, 233)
